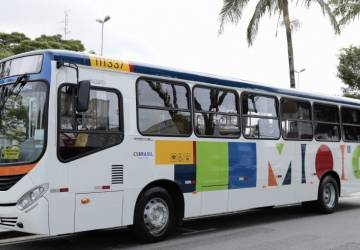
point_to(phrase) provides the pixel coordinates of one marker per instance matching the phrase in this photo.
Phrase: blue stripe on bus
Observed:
(71, 59)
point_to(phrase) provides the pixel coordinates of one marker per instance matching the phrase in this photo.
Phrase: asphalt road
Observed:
(280, 228)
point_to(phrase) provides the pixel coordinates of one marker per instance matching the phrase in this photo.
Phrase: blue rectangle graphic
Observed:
(242, 165)
(185, 177)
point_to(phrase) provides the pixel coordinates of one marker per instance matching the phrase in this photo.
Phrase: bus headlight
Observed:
(31, 196)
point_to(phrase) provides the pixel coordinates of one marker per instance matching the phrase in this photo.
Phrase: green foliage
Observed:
(350, 94)
(56, 42)
(349, 70)
(5, 53)
(15, 43)
(12, 39)
(346, 10)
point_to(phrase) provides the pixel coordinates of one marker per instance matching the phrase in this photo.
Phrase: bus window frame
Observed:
(322, 122)
(46, 120)
(237, 105)
(347, 124)
(266, 117)
(59, 130)
(166, 81)
(299, 120)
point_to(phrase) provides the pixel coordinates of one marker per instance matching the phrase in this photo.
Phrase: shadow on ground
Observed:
(123, 238)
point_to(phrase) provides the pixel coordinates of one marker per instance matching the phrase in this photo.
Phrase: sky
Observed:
(183, 34)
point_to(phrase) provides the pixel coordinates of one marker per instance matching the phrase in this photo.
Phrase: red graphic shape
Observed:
(272, 179)
(324, 161)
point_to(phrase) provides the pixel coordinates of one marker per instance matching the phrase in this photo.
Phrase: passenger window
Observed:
(97, 128)
(351, 123)
(216, 112)
(163, 108)
(260, 118)
(326, 122)
(296, 121)
(160, 94)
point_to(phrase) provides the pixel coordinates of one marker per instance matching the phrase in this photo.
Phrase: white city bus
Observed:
(91, 143)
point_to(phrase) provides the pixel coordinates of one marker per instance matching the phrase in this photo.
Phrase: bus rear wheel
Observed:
(328, 196)
(154, 217)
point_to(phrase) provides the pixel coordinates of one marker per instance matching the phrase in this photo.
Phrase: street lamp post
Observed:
(102, 22)
(298, 76)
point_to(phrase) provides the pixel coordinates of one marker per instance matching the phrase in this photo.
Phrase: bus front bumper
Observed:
(34, 219)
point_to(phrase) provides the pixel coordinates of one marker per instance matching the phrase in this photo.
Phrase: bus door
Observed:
(89, 146)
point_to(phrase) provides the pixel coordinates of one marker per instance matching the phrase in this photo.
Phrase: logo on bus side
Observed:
(142, 154)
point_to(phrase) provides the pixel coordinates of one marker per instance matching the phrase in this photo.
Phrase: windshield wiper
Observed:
(6, 92)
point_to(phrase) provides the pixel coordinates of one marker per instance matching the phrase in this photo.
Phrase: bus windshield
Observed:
(21, 65)
(22, 122)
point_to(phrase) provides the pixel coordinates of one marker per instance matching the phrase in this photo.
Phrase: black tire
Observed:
(154, 217)
(328, 196)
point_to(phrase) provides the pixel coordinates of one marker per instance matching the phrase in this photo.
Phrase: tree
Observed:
(347, 10)
(349, 70)
(232, 11)
(5, 53)
(15, 43)
(9, 41)
(12, 39)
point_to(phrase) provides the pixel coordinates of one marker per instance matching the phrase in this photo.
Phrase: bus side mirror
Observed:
(83, 96)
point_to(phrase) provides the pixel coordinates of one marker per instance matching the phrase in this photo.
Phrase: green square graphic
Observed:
(212, 166)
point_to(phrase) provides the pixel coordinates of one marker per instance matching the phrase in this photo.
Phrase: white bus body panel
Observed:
(103, 210)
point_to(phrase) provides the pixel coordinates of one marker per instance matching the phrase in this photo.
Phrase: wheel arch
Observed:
(175, 193)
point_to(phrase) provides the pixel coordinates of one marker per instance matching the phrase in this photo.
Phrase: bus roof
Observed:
(85, 59)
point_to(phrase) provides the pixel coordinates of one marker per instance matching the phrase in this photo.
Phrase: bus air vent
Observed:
(6, 182)
(8, 221)
(117, 174)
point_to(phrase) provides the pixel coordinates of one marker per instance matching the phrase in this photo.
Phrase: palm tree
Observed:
(347, 10)
(232, 11)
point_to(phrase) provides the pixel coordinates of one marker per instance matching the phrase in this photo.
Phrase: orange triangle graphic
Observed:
(272, 180)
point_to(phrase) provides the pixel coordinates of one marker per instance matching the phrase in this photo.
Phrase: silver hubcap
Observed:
(156, 216)
(329, 195)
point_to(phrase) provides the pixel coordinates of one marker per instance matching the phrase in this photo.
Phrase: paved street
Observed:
(278, 228)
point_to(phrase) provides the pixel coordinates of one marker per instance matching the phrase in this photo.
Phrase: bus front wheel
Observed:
(154, 217)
